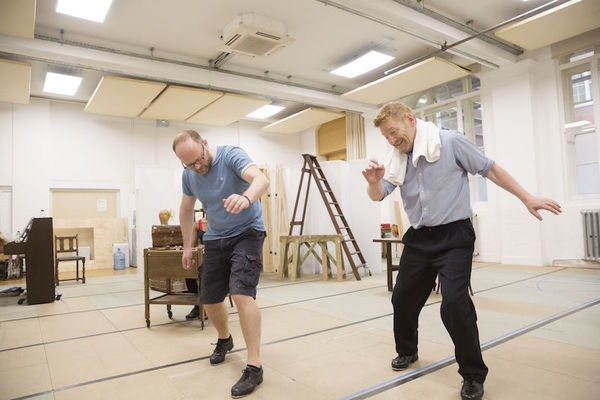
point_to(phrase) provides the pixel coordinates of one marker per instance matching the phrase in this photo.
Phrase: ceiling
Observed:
(176, 43)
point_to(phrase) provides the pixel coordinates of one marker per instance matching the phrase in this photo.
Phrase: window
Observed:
(580, 95)
(444, 118)
(455, 106)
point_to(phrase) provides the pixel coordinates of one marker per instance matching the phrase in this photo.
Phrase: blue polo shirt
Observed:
(437, 193)
(222, 180)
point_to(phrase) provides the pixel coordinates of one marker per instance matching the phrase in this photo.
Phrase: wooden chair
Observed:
(68, 244)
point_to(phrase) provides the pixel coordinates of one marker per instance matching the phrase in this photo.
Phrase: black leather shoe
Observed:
(218, 355)
(402, 362)
(471, 390)
(195, 313)
(250, 379)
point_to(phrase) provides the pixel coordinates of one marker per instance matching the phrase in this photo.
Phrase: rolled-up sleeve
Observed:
(388, 187)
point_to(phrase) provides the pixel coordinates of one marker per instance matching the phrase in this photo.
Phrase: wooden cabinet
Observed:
(166, 264)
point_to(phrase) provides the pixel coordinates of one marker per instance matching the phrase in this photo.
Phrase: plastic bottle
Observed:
(119, 259)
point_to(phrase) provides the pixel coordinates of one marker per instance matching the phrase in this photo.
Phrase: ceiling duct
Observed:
(254, 35)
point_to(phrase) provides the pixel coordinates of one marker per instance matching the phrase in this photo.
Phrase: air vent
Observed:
(254, 35)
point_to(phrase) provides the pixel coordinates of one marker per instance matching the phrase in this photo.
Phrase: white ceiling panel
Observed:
(424, 75)
(228, 109)
(559, 23)
(17, 17)
(179, 103)
(305, 119)
(15, 81)
(123, 97)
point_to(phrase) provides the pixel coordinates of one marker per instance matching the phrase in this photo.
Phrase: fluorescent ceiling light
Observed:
(587, 53)
(365, 63)
(265, 112)
(93, 10)
(61, 84)
(576, 124)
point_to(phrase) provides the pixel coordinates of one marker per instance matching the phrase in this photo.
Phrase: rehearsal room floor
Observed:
(539, 329)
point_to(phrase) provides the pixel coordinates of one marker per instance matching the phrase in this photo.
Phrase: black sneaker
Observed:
(195, 313)
(402, 362)
(471, 390)
(223, 346)
(251, 378)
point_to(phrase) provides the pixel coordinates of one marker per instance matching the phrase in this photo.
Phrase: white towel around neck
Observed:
(427, 144)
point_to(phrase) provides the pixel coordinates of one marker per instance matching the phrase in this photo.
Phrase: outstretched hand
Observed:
(374, 171)
(534, 203)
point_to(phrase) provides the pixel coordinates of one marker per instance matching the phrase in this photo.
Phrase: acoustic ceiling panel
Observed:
(228, 109)
(305, 119)
(17, 17)
(123, 97)
(178, 103)
(562, 22)
(15, 81)
(424, 75)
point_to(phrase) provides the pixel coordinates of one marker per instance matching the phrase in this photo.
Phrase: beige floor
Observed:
(322, 340)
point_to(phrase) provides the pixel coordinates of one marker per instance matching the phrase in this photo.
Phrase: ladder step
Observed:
(356, 252)
(296, 223)
(349, 240)
(332, 202)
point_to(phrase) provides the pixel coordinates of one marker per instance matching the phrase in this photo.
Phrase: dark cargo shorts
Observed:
(231, 265)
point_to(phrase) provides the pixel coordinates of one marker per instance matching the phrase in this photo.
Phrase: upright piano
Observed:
(37, 245)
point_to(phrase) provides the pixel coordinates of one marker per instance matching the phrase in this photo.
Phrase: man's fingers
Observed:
(535, 214)
(551, 208)
(234, 204)
(554, 205)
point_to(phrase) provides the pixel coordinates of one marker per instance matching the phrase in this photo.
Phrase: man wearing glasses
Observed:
(229, 185)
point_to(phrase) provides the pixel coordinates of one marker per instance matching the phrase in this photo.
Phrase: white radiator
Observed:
(591, 234)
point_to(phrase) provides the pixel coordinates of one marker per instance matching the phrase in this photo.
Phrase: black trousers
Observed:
(447, 249)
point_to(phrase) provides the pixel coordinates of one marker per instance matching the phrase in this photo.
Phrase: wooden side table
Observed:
(390, 266)
(291, 260)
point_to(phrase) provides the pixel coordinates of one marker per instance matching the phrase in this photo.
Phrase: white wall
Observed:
(510, 128)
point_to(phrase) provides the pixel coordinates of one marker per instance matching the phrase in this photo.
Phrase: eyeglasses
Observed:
(197, 161)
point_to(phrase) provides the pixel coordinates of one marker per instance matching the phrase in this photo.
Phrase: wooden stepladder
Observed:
(350, 246)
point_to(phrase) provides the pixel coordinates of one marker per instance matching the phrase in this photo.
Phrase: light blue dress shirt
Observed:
(437, 193)
(222, 180)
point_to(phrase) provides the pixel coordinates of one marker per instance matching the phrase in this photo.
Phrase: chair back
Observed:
(66, 244)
